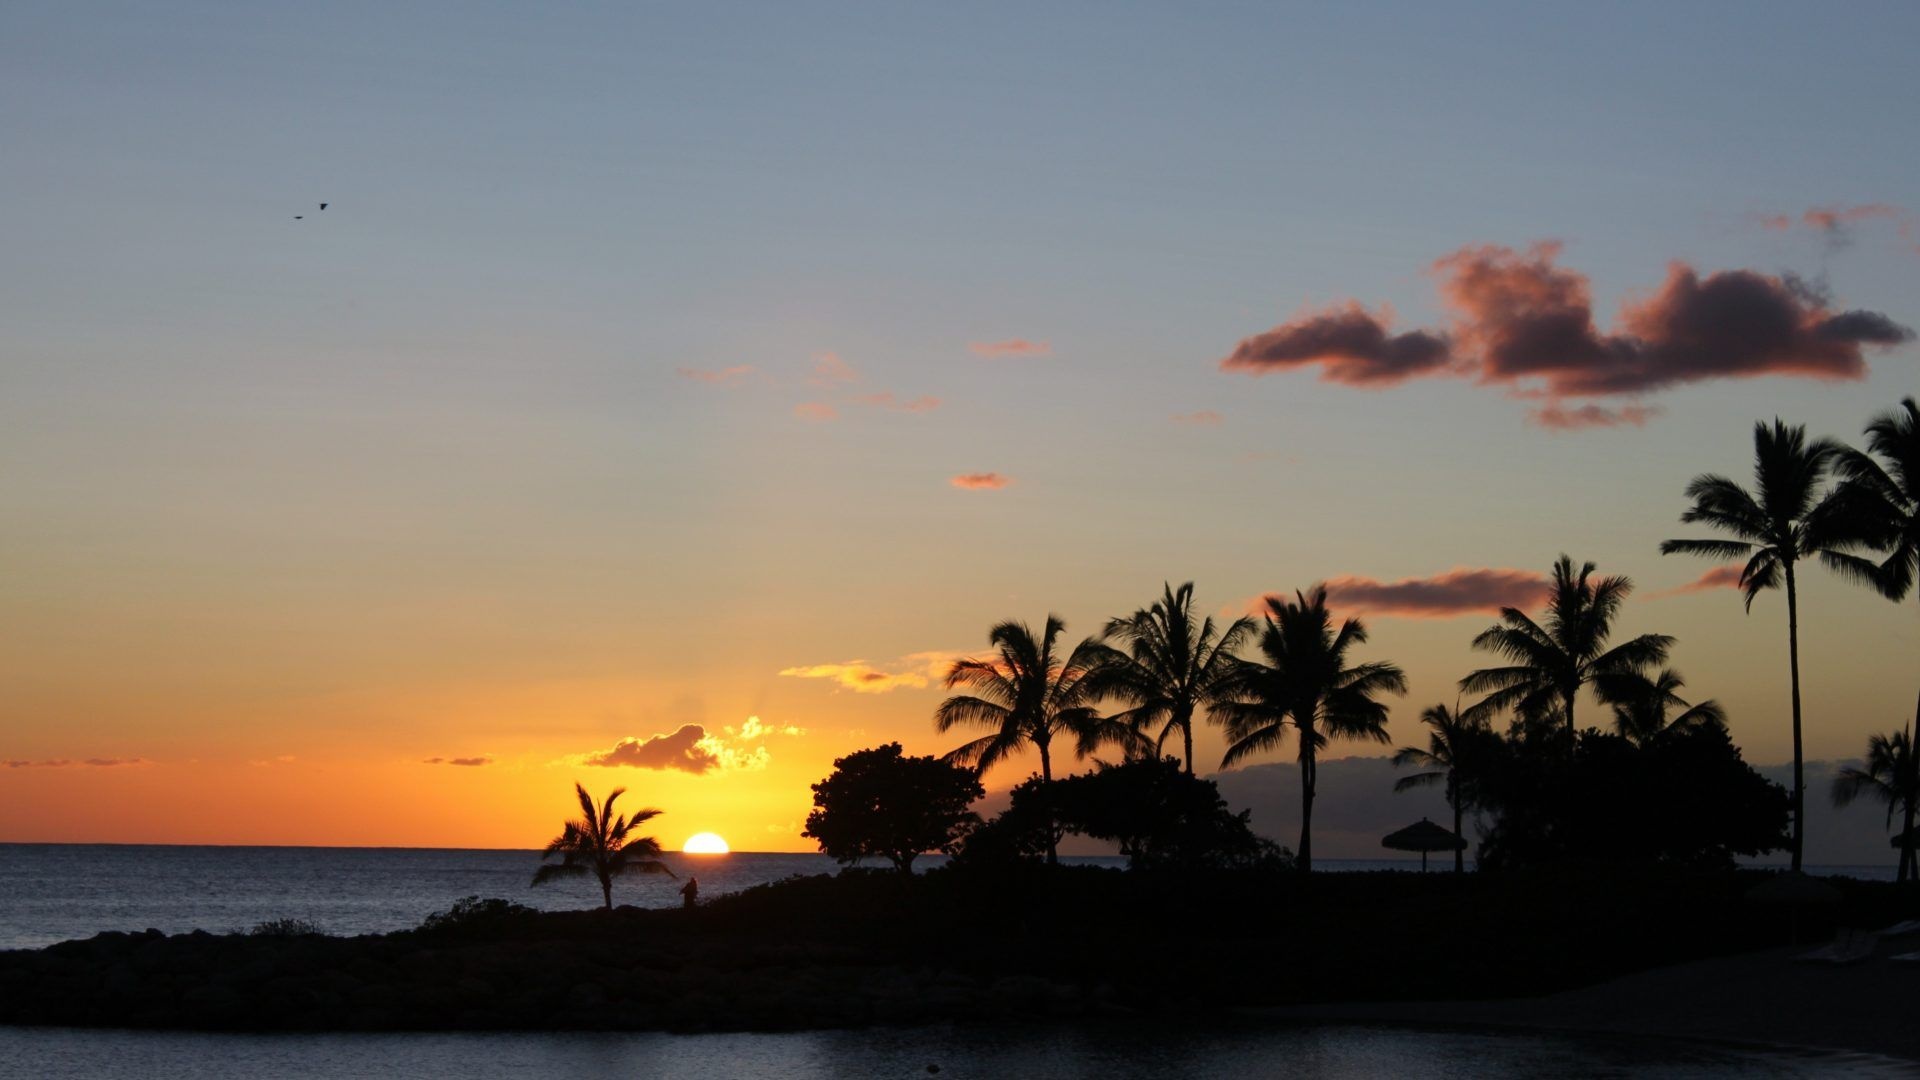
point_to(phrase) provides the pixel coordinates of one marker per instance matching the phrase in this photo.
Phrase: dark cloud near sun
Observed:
(1462, 590)
(687, 750)
(1525, 324)
(469, 762)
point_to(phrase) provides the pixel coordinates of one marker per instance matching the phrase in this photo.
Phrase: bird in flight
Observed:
(323, 206)
(303, 217)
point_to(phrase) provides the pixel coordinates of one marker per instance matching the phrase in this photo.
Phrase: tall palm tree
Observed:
(1786, 519)
(1305, 684)
(1028, 695)
(1170, 665)
(1551, 663)
(1891, 776)
(1880, 497)
(1642, 708)
(602, 845)
(1453, 744)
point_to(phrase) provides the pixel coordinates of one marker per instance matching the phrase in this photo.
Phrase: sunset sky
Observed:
(667, 394)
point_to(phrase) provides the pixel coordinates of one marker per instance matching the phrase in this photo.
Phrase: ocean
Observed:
(54, 892)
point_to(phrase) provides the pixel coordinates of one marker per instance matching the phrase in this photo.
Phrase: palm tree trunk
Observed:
(1572, 732)
(1907, 869)
(1046, 783)
(1308, 771)
(1453, 801)
(1186, 732)
(606, 891)
(1793, 668)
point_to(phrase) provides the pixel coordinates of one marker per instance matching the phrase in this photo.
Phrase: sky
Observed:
(667, 393)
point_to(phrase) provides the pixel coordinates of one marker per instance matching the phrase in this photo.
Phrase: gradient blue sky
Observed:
(418, 477)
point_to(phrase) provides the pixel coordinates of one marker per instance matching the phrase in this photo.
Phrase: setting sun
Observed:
(705, 843)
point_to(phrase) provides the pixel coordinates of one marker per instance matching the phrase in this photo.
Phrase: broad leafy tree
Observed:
(1306, 683)
(600, 844)
(883, 803)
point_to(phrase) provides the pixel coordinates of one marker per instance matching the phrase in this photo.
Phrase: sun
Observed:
(705, 843)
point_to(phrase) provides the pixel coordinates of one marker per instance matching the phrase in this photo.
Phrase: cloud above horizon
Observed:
(980, 481)
(692, 749)
(1010, 347)
(1463, 590)
(1201, 418)
(885, 399)
(816, 412)
(1720, 577)
(73, 763)
(1525, 324)
(727, 376)
(469, 762)
(915, 671)
(1835, 223)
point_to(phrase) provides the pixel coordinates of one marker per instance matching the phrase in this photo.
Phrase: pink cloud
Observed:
(1202, 418)
(1349, 344)
(818, 412)
(1720, 577)
(70, 763)
(727, 376)
(830, 370)
(1462, 590)
(468, 762)
(981, 481)
(1010, 347)
(1560, 418)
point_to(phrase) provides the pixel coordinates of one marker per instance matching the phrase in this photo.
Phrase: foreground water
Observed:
(54, 892)
(1106, 1051)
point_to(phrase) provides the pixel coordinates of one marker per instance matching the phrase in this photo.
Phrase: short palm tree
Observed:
(1891, 776)
(1453, 745)
(1643, 707)
(1305, 684)
(1170, 665)
(602, 845)
(1786, 519)
(1551, 662)
(1029, 695)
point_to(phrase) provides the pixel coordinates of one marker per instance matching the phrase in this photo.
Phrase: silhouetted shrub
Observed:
(284, 928)
(471, 913)
(880, 803)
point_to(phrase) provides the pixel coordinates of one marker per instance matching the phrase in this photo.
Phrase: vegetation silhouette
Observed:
(600, 844)
(1788, 517)
(1028, 695)
(1305, 684)
(881, 803)
(1456, 745)
(1642, 706)
(1171, 665)
(1890, 774)
(1551, 663)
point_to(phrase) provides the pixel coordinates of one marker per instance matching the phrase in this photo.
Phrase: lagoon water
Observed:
(54, 892)
(1108, 1051)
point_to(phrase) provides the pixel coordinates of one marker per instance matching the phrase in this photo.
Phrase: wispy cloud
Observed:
(981, 481)
(914, 671)
(1720, 577)
(465, 761)
(727, 376)
(1463, 590)
(74, 763)
(829, 370)
(1560, 418)
(1010, 347)
(1202, 418)
(885, 399)
(1835, 223)
(816, 412)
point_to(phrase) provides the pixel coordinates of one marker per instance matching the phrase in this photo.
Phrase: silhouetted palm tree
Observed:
(1452, 746)
(1170, 665)
(1641, 708)
(602, 845)
(1552, 662)
(1880, 500)
(1029, 695)
(1891, 776)
(1305, 684)
(1789, 519)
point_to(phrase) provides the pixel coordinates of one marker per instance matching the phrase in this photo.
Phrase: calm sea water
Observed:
(53, 892)
(1106, 1051)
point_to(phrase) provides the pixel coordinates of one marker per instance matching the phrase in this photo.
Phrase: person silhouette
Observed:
(690, 891)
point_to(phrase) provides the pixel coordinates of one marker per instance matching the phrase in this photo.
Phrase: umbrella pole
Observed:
(1423, 860)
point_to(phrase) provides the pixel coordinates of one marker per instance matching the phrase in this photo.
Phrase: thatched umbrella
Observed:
(1423, 836)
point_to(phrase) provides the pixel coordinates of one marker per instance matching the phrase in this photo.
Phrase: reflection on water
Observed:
(1110, 1051)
